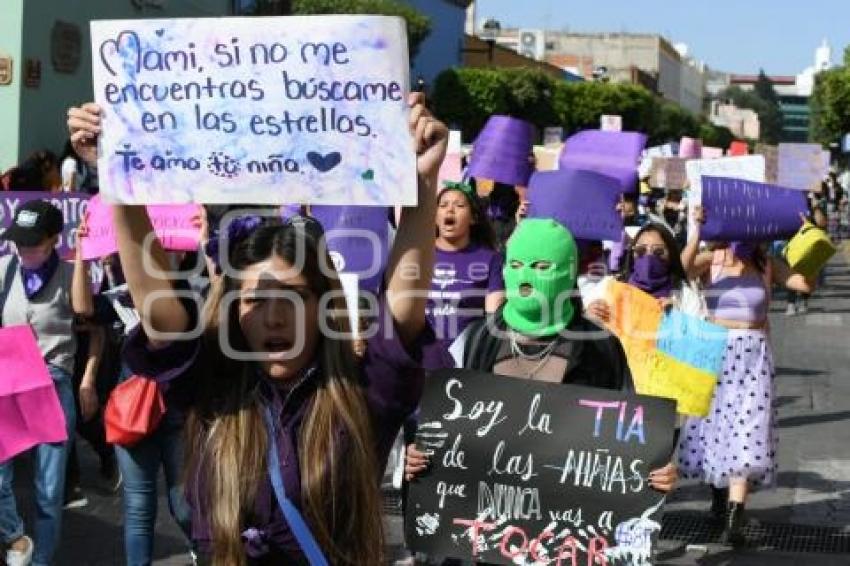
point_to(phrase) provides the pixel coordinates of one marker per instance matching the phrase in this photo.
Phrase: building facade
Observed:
(443, 48)
(645, 59)
(49, 46)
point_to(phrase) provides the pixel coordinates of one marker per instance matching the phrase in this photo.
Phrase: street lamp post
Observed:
(489, 32)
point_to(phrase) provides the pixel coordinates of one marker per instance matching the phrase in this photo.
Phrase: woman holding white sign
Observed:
(734, 447)
(285, 450)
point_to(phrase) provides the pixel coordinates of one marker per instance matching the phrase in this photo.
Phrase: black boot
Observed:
(719, 499)
(734, 525)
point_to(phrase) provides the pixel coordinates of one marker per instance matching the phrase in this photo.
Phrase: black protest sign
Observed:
(537, 473)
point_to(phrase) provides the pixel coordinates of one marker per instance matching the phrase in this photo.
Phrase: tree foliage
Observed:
(418, 25)
(466, 97)
(830, 105)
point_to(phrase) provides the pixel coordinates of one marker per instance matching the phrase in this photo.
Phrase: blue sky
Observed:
(739, 36)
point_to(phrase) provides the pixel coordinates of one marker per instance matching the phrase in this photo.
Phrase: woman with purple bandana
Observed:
(653, 266)
(287, 432)
(734, 447)
(45, 293)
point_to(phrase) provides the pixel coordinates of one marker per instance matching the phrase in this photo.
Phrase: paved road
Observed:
(798, 523)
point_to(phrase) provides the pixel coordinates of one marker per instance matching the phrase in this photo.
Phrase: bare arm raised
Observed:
(412, 259)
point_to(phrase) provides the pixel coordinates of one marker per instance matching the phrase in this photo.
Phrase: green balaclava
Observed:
(548, 309)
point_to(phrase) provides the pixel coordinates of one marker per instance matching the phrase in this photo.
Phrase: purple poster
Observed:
(72, 205)
(358, 240)
(583, 201)
(615, 154)
(745, 210)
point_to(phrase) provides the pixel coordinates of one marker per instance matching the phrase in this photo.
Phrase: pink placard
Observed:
(172, 223)
(30, 412)
(450, 170)
(690, 148)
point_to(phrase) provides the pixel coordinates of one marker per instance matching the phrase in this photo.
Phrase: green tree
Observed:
(830, 105)
(764, 88)
(715, 136)
(418, 25)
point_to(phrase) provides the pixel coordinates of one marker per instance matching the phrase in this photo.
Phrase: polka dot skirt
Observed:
(737, 439)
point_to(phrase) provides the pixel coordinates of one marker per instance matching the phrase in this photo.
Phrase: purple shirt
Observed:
(393, 382)
(461, 282)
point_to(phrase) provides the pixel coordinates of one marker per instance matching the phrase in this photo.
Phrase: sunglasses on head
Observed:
(658, 251)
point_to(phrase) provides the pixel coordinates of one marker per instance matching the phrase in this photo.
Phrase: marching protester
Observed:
(653, 265)
(734, 448)
(468, 269)
(282, 452)
(539, 333)
(46, 293)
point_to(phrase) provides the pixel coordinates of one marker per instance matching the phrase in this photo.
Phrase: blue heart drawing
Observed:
(324, 163)
(160, 31)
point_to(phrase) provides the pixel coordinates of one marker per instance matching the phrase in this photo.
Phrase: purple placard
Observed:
(72, 205)
(583, 201)
(502, 151)
(358, 240)
(614, 154)
(745, 210)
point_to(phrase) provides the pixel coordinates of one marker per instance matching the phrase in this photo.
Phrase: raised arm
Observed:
(158, 305)
(411, 262)
(82, 302)
(787, 277)
(696, 263)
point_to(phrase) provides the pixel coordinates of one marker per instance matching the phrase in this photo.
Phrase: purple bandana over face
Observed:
(652, 275)
(35, 279)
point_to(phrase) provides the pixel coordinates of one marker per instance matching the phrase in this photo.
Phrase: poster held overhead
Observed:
(583, 201)
(745, 210)
(301, 109)
(615, 154)
(502, 151)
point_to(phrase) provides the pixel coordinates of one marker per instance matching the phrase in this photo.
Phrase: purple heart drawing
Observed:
(324, 163)
(160, 31)
(117, 46)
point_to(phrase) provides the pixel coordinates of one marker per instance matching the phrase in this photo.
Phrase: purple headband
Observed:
(237, 230)
(242, 227)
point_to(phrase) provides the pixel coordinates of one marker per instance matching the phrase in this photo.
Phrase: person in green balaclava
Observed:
(539, 279)
(540, 332)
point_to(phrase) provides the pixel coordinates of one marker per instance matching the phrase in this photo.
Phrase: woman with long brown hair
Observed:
(287, 432)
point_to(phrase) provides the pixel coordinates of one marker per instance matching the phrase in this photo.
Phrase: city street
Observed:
(808, 515)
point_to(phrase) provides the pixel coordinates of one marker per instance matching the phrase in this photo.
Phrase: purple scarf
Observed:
(652, 275)
(35, 279)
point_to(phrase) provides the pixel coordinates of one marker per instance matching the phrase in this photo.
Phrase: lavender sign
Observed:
(745, 210)
(308, 109)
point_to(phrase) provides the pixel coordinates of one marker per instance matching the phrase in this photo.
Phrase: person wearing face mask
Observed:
(40, 290)
(539, 333)
(653, 266)
(734, 447)
(467, 281)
